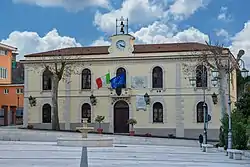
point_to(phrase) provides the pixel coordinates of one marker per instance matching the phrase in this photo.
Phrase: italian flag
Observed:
(103, 81)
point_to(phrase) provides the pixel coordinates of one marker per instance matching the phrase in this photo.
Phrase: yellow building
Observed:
(175, 106)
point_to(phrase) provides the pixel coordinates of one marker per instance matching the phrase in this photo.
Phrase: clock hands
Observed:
(122, 45)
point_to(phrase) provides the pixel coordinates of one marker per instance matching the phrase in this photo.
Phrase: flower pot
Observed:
(99, 130)
(131, 133)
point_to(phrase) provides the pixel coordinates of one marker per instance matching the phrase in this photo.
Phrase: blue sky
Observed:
(39, 25)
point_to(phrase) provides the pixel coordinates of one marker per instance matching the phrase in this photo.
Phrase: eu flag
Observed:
(118, 81)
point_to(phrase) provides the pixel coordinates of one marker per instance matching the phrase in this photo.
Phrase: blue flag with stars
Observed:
(118, 81)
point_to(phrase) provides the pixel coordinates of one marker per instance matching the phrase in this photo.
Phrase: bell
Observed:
(122, 25)
(122, 30)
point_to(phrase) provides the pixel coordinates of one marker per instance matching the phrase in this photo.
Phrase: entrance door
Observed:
(5, 109)
(13, 114)
(121, 116)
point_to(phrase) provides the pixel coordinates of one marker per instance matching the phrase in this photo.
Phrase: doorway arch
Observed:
(121, 116)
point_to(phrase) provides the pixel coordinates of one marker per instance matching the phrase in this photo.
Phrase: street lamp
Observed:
(93, 99)
(147, 98)
(192, 80)
(244, 73)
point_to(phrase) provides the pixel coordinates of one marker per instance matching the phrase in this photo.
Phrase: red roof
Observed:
(145, 48)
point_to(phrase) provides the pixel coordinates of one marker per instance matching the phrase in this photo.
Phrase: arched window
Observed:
(120, 71)
(86, 79)
(46, 111)
(157, 77)
(158, 112)
(47, 79)
(201, 80)
(200, 113)
(86, 111)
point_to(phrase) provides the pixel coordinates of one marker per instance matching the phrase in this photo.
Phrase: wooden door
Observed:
(13, 114)
(5, 108)
(121, 116)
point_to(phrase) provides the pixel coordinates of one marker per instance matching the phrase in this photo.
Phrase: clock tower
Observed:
(122, 43)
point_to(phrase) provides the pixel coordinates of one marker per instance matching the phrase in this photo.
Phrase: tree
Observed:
(215, 57)
(61, 67)
(240, 137)
(243, 109)
(243, 105)
(240, 123)
(241, 83)
(248, 129)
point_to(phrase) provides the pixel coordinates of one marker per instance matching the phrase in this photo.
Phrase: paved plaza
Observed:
(30, 148)
(41, 154)
(8, 133)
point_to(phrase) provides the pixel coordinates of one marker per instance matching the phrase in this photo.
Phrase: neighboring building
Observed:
(175, 107)
(11, 86)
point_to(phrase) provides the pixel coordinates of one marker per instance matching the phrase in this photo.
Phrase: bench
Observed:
(209, 148)
(234, 154)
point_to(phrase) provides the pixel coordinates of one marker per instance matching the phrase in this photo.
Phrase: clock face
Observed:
(121, 44)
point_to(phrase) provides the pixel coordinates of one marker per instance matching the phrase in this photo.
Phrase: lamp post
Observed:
(192, 80)
(244, 73)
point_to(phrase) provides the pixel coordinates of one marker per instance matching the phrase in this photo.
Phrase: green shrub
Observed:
(239, 131)
(248, 129)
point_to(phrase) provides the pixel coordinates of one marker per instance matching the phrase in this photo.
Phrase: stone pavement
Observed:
(8, 133)
(47, 154)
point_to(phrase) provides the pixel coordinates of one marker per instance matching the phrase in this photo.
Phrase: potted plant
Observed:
(99, 119)
(132, 122)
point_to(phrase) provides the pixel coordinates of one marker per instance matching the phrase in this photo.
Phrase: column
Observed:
(179, 103)
(67, 101)
(26, 95)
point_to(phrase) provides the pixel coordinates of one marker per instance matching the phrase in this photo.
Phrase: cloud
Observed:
(70, 5)
(223, 33)
(100, 42)
(143, 12)
(182, 9)
(241, 40)
(223, 15)
(159, 32)
(138, 11)
(168, 33)
(31, 42)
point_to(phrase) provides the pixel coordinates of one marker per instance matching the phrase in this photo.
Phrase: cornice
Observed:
(129, 59)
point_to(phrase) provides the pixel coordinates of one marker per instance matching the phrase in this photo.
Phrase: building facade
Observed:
(11, 86)
(174, 109)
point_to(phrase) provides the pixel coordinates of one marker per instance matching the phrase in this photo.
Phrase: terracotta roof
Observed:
(146, 48)
(8, 47)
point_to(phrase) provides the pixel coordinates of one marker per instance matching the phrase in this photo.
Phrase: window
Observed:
(6, 91)
(19, 91)
(3, 52)
(86, 79)
(199, 112)
(120, 71)
(47, 79)
(3, 73)
(157, 113)
(1, 113)
(157, 77)
(86, 111)
(46, 112)
(19, 112)
(201, 80)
